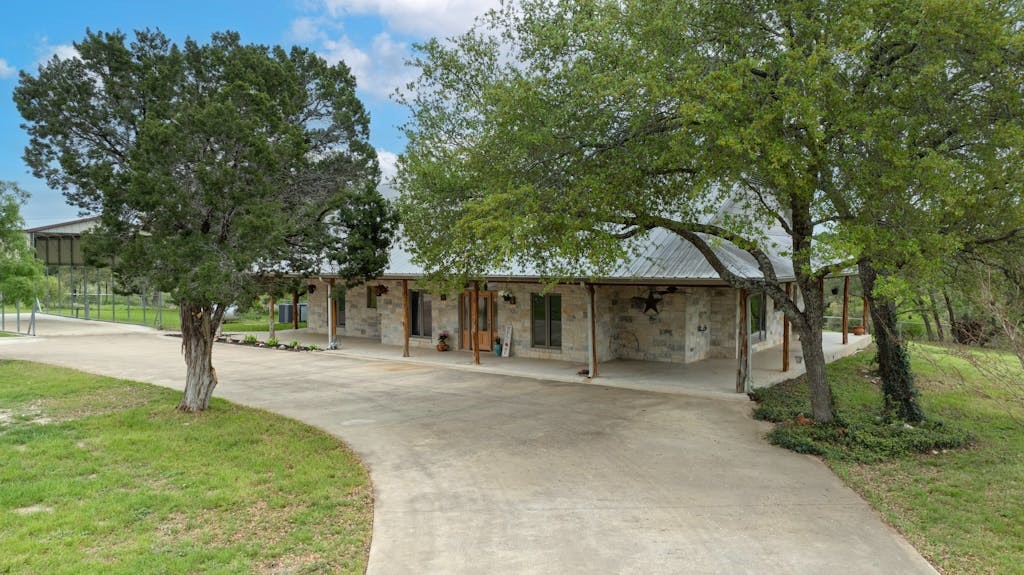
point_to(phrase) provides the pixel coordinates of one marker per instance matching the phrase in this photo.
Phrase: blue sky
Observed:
(372, 36)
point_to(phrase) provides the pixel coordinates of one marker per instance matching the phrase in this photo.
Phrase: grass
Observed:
(104, 476)
(963, 508)
(249, 325)
(5, 334)
(124, 314)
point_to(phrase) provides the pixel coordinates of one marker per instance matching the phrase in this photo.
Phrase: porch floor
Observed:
(709, 378)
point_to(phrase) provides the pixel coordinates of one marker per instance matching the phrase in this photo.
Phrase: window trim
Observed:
(546, 300)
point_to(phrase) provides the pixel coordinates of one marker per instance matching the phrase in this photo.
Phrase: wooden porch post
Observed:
(785, 334)
(593, 331)
(332, 316)
(864, 314)
(295, 309)
(406, 318)
(743, 368)
(846, 310)
(474, 320)
(273, 320)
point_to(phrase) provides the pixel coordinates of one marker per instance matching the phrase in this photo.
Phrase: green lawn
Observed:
(250, 325)
(5, 334)
(102, 475)
(124, 314)
(962, 508)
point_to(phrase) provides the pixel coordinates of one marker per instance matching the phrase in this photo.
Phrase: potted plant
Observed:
(442, 341)
(859, 330)
(497, 346)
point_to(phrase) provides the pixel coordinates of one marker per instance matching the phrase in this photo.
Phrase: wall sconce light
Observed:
(380, 289)
(702, 328)
(311, 289)
(444, 297)
(508, 297)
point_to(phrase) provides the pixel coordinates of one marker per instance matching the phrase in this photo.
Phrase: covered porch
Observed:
(713, 377)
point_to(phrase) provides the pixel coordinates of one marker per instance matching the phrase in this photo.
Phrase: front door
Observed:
(488, 323)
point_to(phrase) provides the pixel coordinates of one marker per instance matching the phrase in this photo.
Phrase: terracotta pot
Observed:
(859, 330)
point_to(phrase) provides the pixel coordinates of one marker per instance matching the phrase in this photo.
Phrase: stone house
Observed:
(667, 305)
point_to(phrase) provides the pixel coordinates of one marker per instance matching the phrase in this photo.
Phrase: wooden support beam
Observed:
(743, 366)
(273, 320)
(333, 315)
(406, 318)
(864, 315)
(295, 309)
(474, 321)
(593, 331)
(846, 310)
(785, 334)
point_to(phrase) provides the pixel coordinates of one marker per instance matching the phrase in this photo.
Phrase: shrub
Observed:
(249, 339)
(313, 347)
(272, 342)
(294, 344)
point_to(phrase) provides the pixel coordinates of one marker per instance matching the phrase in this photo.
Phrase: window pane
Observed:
(555, 304)
(371, 297)
(425, 323)
(414, 309)
(539, 331)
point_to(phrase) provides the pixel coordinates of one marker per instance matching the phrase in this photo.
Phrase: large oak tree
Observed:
(554, 132)
(213, 166)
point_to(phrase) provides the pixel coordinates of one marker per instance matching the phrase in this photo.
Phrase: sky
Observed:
(374, 37)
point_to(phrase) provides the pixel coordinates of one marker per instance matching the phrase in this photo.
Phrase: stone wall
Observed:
(691, 324)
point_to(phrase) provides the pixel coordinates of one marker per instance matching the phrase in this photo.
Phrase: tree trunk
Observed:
(949, 310)
(935, 314)
(898, 389)
(810, 327)
(927, 322)
(272, 328)
(198, 326)
(295, 309)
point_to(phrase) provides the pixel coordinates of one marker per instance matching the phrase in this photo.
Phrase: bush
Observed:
(859, 433)
(294, 344)
(272, 342)
(251, 339)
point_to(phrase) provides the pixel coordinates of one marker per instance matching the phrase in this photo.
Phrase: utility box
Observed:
(284, 312)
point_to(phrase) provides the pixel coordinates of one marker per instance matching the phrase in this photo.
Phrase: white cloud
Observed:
(47, 52)
(416, 17)
(388, 170)
(379, 70)
(6, 70)
(305, 30)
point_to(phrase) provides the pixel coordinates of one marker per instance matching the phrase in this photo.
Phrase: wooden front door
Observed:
(488, 325)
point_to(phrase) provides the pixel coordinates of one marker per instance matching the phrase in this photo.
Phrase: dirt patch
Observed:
(32, 510)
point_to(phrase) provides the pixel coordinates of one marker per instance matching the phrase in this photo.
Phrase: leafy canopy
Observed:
(19, 269)
(211, 164)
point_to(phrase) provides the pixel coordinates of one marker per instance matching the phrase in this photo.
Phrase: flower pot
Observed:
(442, 346)
(859, 330)
(497, 349)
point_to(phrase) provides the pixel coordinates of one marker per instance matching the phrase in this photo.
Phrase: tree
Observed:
(212, 166)
(20, 271)
(554, 133)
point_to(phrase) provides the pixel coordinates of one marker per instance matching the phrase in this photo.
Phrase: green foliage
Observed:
(249, 339)
(272, 342)
(20, 272)
(211, 164)
(101, 460)
(294, 344)
(314, 347)
(861, 432)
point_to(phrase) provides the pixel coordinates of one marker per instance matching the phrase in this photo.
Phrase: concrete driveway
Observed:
(482, 473)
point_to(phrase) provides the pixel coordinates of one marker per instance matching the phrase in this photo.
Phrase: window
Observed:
(758, 317)
(546, 314)
(371, 297)
(339, 307)
(419, 308)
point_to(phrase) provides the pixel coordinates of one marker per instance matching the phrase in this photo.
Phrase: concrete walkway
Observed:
(481, 473)
(713, 378)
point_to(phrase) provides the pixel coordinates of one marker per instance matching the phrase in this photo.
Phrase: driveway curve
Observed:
(481, 473)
